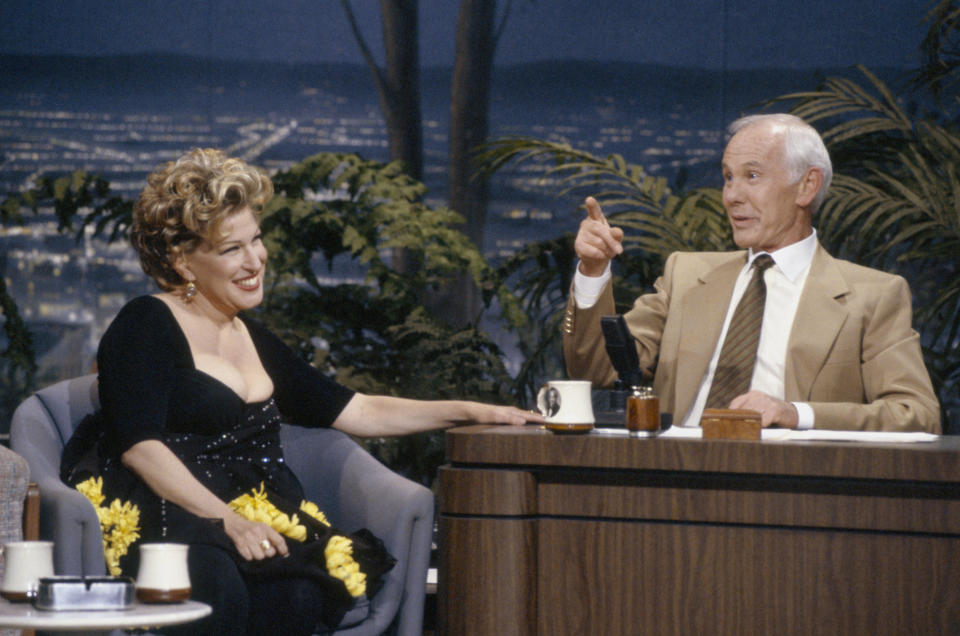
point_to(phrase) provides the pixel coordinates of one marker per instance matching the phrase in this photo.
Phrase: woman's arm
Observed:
(307, 398)
(170, 479)
(385, 416)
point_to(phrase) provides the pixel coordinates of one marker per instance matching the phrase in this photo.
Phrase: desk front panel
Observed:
(537, 548)
(656, 578)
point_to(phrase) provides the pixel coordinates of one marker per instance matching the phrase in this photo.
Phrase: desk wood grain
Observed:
(546, 534)
(533, 446)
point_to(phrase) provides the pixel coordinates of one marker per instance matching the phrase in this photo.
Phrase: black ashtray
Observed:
(84, 593)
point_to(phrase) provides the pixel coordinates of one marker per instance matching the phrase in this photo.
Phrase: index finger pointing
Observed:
(593, 210)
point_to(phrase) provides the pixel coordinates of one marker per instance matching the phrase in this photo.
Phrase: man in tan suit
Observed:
(836, 349)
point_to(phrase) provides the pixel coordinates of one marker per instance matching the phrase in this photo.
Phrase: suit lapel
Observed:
(816, 325)
(704, 308)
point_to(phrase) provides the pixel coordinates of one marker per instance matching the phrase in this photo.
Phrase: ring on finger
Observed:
(265, 544)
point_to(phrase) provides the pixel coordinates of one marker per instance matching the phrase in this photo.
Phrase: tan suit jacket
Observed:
(852, 352)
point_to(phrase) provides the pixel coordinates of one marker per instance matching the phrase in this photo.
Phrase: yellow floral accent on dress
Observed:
(338, 552)
(119, 523)
(256, 507)
(340, 564)
(310, 508)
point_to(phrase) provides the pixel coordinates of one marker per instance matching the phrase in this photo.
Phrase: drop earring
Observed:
(190, 292)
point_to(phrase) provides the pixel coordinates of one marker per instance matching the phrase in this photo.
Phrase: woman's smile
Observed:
(249, 284)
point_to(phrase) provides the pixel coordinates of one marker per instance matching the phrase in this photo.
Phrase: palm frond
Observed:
(655, 218)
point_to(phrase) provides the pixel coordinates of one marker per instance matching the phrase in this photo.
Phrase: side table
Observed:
(140, 616)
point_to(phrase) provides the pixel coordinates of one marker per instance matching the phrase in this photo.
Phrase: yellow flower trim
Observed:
(256, 507)
(119, 523)
(340, 564)
(310, 508)
(338, 552)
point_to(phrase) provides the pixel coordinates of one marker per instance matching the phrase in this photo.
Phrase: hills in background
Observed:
(174, 82)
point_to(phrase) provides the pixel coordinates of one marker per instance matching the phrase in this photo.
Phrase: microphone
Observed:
(622, 351)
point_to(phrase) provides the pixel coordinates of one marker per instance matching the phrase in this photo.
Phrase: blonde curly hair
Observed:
(185, 202)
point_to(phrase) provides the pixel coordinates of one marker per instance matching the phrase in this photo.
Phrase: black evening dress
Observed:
(151, 390)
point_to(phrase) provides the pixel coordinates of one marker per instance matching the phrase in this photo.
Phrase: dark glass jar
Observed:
(643, 411)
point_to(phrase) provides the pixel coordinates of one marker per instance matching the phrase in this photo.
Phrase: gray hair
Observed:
(803, 148)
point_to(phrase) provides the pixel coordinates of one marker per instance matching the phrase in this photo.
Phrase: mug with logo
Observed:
(566, 405)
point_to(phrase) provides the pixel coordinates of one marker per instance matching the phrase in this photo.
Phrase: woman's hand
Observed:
(167, 476)
(493, 414)
(254, 540)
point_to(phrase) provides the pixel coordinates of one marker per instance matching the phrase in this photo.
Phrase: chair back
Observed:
(39, 430)
(43, 424)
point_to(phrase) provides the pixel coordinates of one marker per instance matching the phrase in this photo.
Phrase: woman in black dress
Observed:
(193, 393)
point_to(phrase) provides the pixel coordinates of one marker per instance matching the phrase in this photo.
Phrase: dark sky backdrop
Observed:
(706, 33)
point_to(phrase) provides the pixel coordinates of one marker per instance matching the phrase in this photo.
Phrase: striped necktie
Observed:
(739, 353)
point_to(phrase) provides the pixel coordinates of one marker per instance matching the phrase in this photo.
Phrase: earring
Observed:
(190, 292)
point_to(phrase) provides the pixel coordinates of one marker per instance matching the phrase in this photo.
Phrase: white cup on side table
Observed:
(25, 563)
(163, 576)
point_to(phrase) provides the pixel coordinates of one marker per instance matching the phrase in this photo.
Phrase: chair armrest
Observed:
(357, 491)
(69, 520)
(66, 516)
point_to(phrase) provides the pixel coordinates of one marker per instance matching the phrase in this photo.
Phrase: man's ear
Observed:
(810, 184)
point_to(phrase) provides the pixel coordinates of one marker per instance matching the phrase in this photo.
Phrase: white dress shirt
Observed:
(784, 282)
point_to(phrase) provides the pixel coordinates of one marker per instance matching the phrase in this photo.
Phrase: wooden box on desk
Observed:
(730, 424)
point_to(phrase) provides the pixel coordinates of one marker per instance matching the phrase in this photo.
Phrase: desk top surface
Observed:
(937, 461)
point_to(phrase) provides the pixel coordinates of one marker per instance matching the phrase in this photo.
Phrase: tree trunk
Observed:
(398, 88)
(400, 91)
(469, 115)
(469, 110)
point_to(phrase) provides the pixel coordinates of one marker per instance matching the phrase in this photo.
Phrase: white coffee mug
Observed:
(25, 563)
(566, 405)
(163, 576)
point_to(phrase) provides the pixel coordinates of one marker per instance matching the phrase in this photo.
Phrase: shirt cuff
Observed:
(804, 415)
(587, 289)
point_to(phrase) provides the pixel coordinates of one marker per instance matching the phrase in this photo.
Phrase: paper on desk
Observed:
(788, 435)
(819, 435)
(815, 435)
(683, 432)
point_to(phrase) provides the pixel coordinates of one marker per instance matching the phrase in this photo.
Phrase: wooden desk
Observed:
(546, 534)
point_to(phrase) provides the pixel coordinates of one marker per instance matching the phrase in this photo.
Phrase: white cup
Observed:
(566, 405)
(25, 563)
(163, 576)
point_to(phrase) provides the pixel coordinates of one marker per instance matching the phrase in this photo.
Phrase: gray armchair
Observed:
(349, 485)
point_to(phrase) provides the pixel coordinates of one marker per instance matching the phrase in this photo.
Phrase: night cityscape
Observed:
(69, 288)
